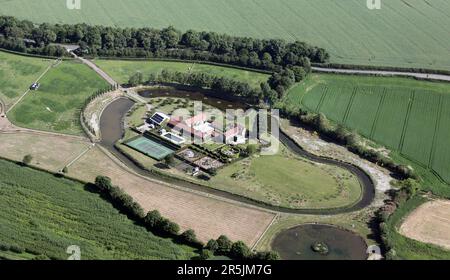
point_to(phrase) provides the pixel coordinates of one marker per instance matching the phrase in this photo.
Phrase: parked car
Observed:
(34, 86)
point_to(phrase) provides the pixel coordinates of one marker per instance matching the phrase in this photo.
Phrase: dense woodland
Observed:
(274, 54)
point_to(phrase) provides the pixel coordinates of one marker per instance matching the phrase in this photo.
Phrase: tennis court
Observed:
(150, 147)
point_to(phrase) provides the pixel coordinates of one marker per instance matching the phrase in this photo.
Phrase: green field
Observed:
(56, 105)
(405, 115)
(411, 33)
(43, 214)
(287, 180)
(121, 70)
(17, 73)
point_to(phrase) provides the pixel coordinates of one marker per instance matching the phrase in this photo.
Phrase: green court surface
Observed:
(150, 147)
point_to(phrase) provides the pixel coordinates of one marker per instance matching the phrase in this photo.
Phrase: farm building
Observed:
(200, 128)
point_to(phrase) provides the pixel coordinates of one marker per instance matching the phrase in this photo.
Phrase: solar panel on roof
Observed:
(157, 118)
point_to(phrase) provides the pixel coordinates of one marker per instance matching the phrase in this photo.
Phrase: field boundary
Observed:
(377, 115)
(261, 71)
(379, 68)
(406, 121)
(35, 55)
(349, 106)
(436, 130)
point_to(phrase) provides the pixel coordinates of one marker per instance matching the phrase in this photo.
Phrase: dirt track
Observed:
(430, 223)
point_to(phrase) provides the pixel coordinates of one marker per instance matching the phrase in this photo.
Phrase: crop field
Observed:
(17, 73)
(121, 70)
(398, 34)
(56, 105)
(405, 115)
(43, 215)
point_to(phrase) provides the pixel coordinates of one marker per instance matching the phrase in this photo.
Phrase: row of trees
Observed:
(272, 54)
(270, 91)
(407, 189)
(162, 226)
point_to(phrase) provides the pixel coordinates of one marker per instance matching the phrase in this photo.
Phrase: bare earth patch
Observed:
(209, 217)
(430, 223)
(49, 151)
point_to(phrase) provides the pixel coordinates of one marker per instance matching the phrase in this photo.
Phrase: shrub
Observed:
(103, 183)
(267, 256)
(189, 237)
(224, 245)
(205, 254)
(212, 245)
(27, 159)
(16, 249)
(240, 251)
(153, 219)
(169, 227)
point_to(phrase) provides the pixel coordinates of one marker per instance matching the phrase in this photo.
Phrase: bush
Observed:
(27, 159)
(205, 254)
(169, 227)
(103, 183)
(212, 245)
(240, 251)
(224, 245)
(267, 256)
(153, 219)
(189, 237)
(16, 249)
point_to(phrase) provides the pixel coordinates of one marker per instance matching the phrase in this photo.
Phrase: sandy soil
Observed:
(430, 223)
(313, 144)
(209, 217)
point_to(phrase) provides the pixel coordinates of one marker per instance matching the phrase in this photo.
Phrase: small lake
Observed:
(208, 98)
(296, 243)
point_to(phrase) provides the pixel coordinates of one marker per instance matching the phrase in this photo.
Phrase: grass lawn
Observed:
(43, 214)
(390, 111)
(56, 105)
(121, 70)
(402, 33)
(289, 181)
(17, 73)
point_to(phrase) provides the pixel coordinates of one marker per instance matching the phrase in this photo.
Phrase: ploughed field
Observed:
(408, 116)
(408, 33)
(43, 215)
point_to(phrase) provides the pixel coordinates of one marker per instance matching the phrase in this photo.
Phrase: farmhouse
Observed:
(200, 128)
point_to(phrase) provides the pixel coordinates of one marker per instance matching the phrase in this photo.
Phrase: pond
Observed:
(299, 243)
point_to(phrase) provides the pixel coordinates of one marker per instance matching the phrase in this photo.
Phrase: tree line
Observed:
(269, 54)
(269, 92)
(164, 227)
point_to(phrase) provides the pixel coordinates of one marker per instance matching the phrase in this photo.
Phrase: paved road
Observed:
(383, 73)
